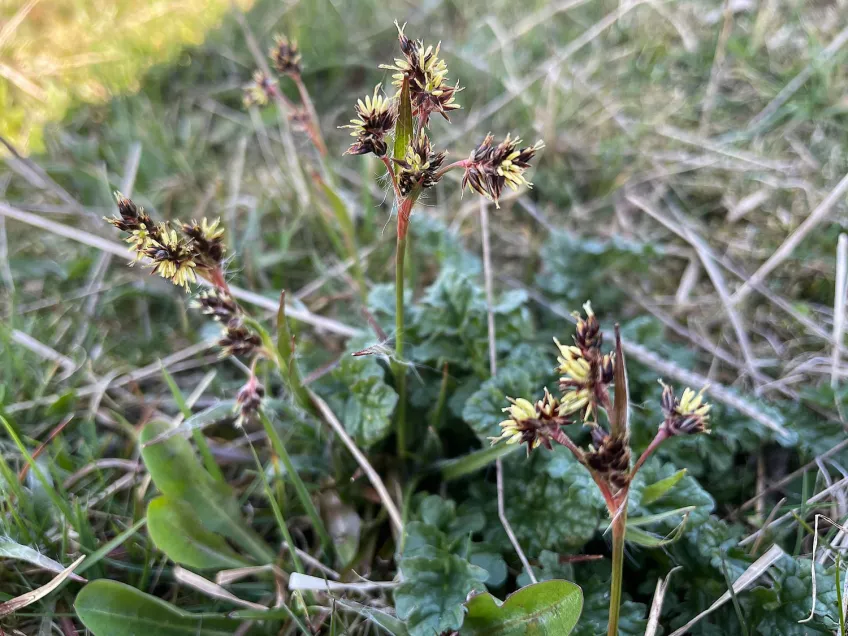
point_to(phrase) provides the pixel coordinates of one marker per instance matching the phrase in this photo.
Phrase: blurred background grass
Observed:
(686, 143)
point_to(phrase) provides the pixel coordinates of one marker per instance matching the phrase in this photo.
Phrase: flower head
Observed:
(285, 56)
(218, 304)
(588, 334)
(609, 457)
(532, 424)
(135, 221)
(687, 415)
(420, 167)
(206, 240)
(491, 167)
(375, 119)
(172, 256)
(248, 401)
(238, 339)
(426, 72)
(259, 90)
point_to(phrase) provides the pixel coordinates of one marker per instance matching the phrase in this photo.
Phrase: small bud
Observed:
(259, 91)
(218, 304)
(248, 401)
(238, 339)
(285, 56)
(588, 334)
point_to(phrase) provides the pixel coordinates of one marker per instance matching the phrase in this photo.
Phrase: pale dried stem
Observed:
(493, 369)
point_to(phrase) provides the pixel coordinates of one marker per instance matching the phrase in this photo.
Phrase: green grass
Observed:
(636, 165)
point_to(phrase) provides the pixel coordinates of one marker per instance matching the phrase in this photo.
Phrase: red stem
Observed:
(661, 436)
(390, 169)
(463, 163)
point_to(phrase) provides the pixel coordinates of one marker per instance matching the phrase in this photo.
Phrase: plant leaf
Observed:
(176, 531)
(13, 605)
(109, 608)
(620, 416)
(550, 608)
(198, 421)
(403, 127)
(179, 475)
(10, 549)
(649, 540)
(656, 490)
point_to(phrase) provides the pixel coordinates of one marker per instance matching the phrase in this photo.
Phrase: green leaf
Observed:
(176, 531)
(656, 490)
(109, 608)
(179, 475)
(431, 597)
(551, 502)
(366, 411)
(403, 127)
(198, 421)
(649, 540)
(437, 569)
(685, 492)
(550, 608)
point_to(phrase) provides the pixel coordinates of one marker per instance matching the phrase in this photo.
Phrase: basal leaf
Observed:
(431, 597)
(178, 474)
(550, 608)
(367, 402)
(109, 608)
(176, 530)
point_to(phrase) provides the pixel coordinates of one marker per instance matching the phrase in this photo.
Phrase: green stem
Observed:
(299, 486)
(399, 368)
(619, 528)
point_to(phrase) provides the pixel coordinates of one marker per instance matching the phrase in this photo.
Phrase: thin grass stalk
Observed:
(619, 529)
(278, 515)
(299, 486)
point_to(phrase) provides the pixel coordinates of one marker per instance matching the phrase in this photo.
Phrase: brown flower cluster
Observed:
(426, 74)
(237, 339)
(420, 168)
(586, 376)
(175, 255)
(490, 167)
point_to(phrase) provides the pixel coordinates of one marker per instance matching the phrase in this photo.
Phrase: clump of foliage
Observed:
(343, 480)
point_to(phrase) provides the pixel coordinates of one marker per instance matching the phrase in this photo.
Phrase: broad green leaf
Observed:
(109, 608)
(176, 530)
(656, 490)
(403, 127)
(550, 608)
(178, 474)
(366, 403)
(431, 597)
